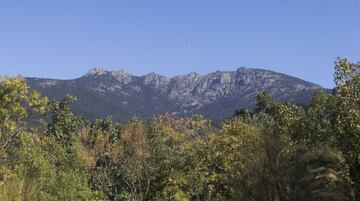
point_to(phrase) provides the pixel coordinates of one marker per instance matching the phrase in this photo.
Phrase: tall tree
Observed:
(346, 120)
(17, 102)
(64, 124)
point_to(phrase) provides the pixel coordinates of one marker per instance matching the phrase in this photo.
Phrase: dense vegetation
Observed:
(276, 152)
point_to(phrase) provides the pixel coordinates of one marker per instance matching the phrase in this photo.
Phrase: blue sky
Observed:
(64, 39)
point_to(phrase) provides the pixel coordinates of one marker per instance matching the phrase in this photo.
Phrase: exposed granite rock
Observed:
(96, 71)
(217, 94)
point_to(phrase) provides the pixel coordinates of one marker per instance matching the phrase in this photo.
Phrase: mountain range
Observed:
(217, 95)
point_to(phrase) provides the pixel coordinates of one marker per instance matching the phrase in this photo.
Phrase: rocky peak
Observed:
(156, 80)
(151, 76)
(193, 75)
(96, 71)
(241, 69)
(120, 73)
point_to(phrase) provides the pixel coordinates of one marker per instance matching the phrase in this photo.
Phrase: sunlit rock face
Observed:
(122, 95)
(96, 71)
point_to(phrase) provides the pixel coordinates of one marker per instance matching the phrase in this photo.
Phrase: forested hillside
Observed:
(277, 151)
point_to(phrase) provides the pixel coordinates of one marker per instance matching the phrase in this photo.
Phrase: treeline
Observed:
(275, 152)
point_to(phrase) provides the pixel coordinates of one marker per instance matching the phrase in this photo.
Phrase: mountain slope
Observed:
(217, 95)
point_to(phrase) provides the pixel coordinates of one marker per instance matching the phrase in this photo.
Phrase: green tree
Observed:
(17, 102)
(62, 142)
(346, 120)
(64, 124)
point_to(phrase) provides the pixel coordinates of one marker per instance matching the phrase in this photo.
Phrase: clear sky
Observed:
(65, 38)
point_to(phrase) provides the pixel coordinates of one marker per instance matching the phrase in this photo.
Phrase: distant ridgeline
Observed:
(216, 95)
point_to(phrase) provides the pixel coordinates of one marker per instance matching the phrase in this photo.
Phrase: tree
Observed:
(123, 169)
(264, 103)
(346, 120)
(131, 156)
(314, 126)
(64, 124)
(17, 102)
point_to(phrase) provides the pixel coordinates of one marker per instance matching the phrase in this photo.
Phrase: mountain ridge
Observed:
(216, 95)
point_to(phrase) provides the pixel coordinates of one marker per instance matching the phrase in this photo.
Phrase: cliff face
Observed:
(122, 95)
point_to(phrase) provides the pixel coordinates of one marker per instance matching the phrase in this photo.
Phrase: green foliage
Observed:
(45, 171)
(275, 152)
(16, 103)
(346, 118)
(65, 124)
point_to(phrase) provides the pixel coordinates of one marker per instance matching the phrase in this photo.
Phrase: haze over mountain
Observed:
(103, 93)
